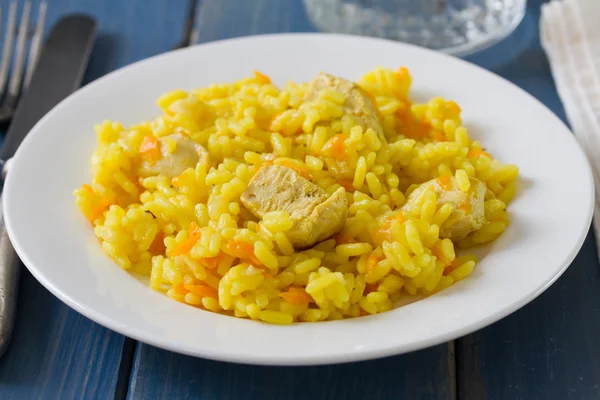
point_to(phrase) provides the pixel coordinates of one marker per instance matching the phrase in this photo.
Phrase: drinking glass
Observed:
(457, 27)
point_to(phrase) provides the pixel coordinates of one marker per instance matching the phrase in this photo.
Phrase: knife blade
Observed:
(59, 72)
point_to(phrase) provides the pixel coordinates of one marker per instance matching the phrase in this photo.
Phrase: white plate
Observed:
(550, 216)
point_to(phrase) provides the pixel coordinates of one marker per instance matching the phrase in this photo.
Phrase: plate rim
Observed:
(390, 350)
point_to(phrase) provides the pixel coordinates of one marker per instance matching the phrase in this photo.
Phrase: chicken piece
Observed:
(468, 214)
(316, 215)
(178, 153)
(358, 104)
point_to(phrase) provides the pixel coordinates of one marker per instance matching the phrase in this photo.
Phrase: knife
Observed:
(59, 72)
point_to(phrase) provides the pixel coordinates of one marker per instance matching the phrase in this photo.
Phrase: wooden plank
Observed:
(56, 353)
(548, 349)
(159, 374)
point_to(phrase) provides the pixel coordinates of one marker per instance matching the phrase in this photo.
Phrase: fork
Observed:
(17, 82)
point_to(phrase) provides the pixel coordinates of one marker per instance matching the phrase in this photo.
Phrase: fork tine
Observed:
(17, 74)
(36, 41)
(8, 43)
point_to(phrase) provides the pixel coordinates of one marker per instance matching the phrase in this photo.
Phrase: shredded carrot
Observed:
(402, 108)
(211, 262)
(411, 127)
(185, 246)
(453, 107)
(440, 138)
(445, 182)
(158, 246)
(202, 291)
(239, 249)
(87, 188)
(336, 147)
(179, 289)
(372, 261)
(384, 232)
(293, 166)
(478, 153)
(261, 78)
(296, 297)
(346, 184)
(343, 238)
(150, 148)
(402, 73)
(242, 250)
(99, 208)
(363, 313)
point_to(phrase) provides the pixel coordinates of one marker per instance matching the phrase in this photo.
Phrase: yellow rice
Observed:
(143, 223)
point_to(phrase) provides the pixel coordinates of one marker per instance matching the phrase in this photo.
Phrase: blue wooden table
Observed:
(547, 350)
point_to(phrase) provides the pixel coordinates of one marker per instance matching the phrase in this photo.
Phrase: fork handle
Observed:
(10, 269)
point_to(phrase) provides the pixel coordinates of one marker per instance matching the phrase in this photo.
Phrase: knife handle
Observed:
(10, 268)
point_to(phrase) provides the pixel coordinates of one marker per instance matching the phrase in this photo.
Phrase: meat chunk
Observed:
(178, 152)
(358, 104)
(468, 214)
(316, 215)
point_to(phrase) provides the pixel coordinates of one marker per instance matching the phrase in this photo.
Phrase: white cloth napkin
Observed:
(570, 34)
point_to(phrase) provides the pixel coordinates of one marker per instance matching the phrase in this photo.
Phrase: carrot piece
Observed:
(372, 261)
(445, 182)
(150, 148)
(440, 138)
(202, 291)
(242, 250)
(336, 147)
(87, 188)
(346, 184)
(478, 153)
(261, 78)
(211, 262)
(402, 73)
(363, 313)
(185, 246)
(179, 289)
(99, 208)
(453, 107)
(297, 297)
